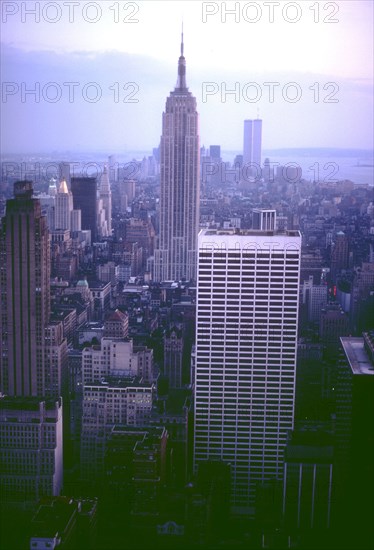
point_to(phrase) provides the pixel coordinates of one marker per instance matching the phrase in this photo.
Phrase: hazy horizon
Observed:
(329, 164)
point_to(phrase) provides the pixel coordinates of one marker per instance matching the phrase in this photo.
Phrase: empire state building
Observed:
(176, 253)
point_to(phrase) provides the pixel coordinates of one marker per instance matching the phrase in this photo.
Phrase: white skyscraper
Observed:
(252, 144)
(246, 341)
(175, 256)
(63, 207)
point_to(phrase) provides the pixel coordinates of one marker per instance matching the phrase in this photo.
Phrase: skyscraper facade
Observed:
(106, 197)
(25, 295)
(175, 256)
(84, 191)
(246, 342)
(252, 144)
(63, 207)
(33, 352)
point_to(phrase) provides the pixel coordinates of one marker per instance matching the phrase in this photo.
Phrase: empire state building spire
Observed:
(181, 85)
(176, 248)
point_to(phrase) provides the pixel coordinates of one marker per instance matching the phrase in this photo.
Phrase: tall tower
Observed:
(32, 356)
(25, 294)
(252, 143)
(246, 342)
(339, 254)
(63, 207)
(176, 254)
(106, 197)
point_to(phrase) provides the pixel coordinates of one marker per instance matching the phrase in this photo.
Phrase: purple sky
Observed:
(324, 56)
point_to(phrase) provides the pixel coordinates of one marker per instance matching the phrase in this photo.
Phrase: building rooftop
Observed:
(52, 519)
(357, 356)
(27, 403)
(121, 382)
(250, 232)
(116, 315)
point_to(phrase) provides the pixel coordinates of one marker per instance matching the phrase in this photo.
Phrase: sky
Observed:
(94, 76)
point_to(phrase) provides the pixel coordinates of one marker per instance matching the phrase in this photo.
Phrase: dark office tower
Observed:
(334, 323)
(252, 144)
(175, 256)
(354, 496)
(363, 298)
(32, 353)
(25, 295)
(339, 254)
(307, 482)
(173, 357)
(84, 191)
(215, 153)
(113, 168)
(215, 159)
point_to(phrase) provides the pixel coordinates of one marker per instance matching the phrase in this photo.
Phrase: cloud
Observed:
(109, 99)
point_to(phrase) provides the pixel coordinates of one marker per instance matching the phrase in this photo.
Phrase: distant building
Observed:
(114, 400)
(106, 197)
(339, 254)
(102, 298)
(116, 325)
(64, 173)
(173, 357)
(63, 207)
(252, 146)
(116, 357)
(141, 232)
(334, 323)
(314, 298)
(127, 188)
(30, 448)
(84, 190)
(108, 273)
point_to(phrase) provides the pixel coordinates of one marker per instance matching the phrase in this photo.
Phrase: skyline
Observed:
(335, 108)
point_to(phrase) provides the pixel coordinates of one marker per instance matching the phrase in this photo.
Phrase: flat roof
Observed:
(250, 232)
(357, 355)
